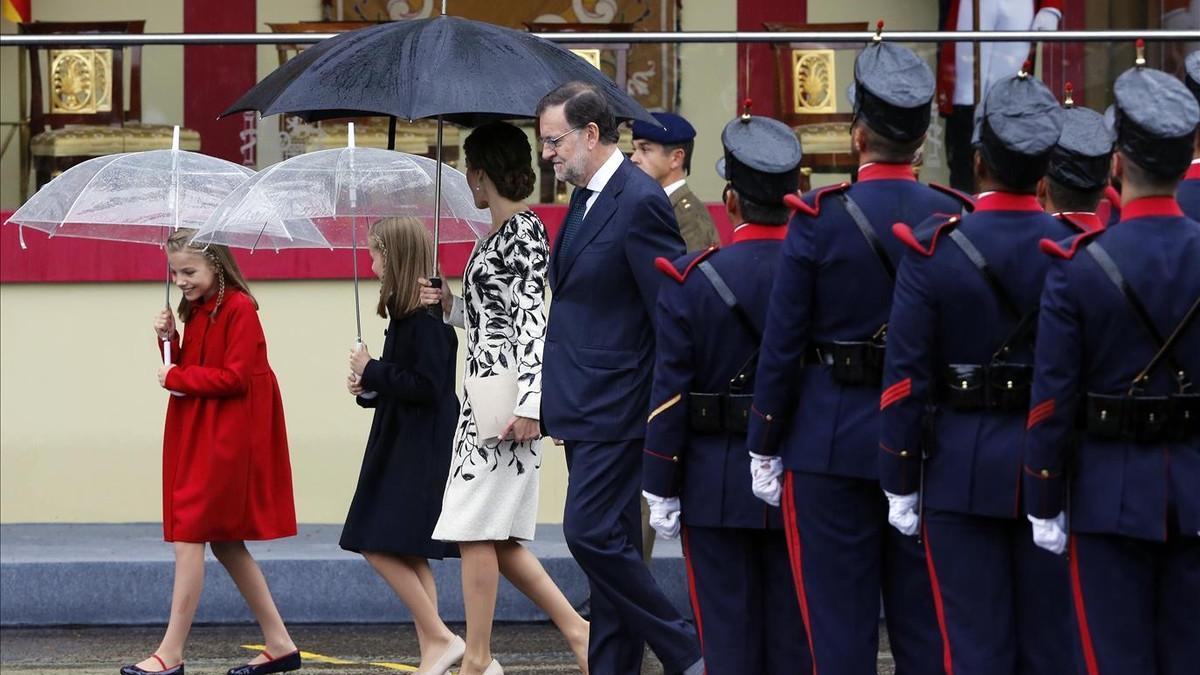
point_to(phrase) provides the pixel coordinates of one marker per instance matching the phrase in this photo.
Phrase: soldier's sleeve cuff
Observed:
(899, 470)
(1044, 492)
(660, 473)
(762, 436)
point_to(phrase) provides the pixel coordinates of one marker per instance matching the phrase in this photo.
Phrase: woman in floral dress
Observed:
(490, 502)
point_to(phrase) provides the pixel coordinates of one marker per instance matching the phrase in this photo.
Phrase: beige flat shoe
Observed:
(494, 668)
(453, 654)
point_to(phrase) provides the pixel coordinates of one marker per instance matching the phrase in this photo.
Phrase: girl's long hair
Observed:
(223, 265)
(407, 253)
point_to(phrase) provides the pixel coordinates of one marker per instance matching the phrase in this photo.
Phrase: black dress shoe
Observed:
(134, 670)
(283, 664)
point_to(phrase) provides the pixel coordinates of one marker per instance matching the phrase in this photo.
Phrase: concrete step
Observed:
(121, 574)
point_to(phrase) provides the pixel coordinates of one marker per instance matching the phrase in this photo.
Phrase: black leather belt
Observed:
(1142, 419)
(856, 363)
(1002, 387)
(719, 413)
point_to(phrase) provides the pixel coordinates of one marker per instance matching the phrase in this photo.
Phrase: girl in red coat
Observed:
(226, 474)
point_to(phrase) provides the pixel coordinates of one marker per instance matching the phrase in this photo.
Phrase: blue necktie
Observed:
(574, 217)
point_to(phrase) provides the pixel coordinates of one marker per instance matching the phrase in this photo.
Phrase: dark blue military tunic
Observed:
(998, 607)
(1133, 507)
(741, 587)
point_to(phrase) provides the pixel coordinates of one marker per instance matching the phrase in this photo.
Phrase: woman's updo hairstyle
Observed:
(502, 151)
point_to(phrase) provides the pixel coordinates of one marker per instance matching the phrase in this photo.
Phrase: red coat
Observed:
(226, 473)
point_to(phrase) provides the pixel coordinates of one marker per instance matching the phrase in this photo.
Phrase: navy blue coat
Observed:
(944, 312)
(1188, 192)
(599, 349)
(832, 286)
(701, 346)
(1089, 340)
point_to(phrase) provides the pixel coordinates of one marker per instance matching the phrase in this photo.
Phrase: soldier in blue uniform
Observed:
(1113, 447)
(816, 393)
(1189, 188)
(1080, 164)
(709, 317)
(956, 388)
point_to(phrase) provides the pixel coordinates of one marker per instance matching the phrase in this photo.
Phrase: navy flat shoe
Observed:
(132, 669)
(283, 664)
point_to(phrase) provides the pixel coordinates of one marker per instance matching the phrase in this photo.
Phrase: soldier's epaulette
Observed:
(924, 237)
(683, 265)
(965, 199)
(801, 204)
(1067, 248)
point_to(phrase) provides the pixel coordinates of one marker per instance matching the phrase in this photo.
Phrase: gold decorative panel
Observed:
(80, 81)
(592, 56)
(814, 83)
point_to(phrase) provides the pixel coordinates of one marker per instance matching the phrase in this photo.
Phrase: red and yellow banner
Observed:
(17, 11)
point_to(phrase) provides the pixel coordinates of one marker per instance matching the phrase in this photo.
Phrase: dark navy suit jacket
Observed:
(599, 351)
(1089, 340)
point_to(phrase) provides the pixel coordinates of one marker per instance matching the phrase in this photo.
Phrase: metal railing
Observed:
(704, 37)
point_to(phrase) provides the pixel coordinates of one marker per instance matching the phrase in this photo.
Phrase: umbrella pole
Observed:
(354, 247)
(391, 132)
(435, 281)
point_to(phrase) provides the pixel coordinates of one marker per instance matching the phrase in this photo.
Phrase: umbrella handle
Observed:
(435, 310)
(167, 360)
(366, 395)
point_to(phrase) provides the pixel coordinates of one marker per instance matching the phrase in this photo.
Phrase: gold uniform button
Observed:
(1045, 473)
(769, 418)
(904, 453)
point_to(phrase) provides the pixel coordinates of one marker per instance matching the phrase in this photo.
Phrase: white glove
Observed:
(1050, 533)
(902, 512)
(1047, 18)
(765, 471)
(664, 515)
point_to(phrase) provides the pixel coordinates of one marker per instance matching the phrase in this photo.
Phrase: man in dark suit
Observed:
(596, 374)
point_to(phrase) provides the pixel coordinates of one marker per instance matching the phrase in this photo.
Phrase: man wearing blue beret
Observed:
(664, 152)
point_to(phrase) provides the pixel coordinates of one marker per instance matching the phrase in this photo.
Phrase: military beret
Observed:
(1082, 157)
(1154, 118)
(762, 158)
(892, 91)
(671, 129)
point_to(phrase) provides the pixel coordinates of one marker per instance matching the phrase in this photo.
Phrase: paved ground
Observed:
(331, 649)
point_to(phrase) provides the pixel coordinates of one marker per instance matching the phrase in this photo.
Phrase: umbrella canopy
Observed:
(468, 72)
(329, 198)
(135, 196)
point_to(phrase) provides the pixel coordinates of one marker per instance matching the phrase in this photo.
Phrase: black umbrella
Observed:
(467, 72)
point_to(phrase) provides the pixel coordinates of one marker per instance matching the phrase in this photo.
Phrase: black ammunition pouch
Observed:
(1142, 419)
(719, 413)
(999, 387)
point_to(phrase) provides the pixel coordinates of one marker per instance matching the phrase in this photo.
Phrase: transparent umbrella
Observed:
(330, 198)
(136, 197)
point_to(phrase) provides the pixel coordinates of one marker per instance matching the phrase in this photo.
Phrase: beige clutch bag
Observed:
(493, 400)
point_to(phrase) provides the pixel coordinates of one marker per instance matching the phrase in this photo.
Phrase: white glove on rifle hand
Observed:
(902, 512)
(1047, 18)
(664, 515)
(1050, 533)
(765, 471)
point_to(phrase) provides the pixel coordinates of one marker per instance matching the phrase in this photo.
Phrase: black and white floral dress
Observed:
(492, 491)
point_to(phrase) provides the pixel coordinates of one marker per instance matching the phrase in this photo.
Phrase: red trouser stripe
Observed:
(1085, 635)
(947, 661)
(691, 574)
(792, 530)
